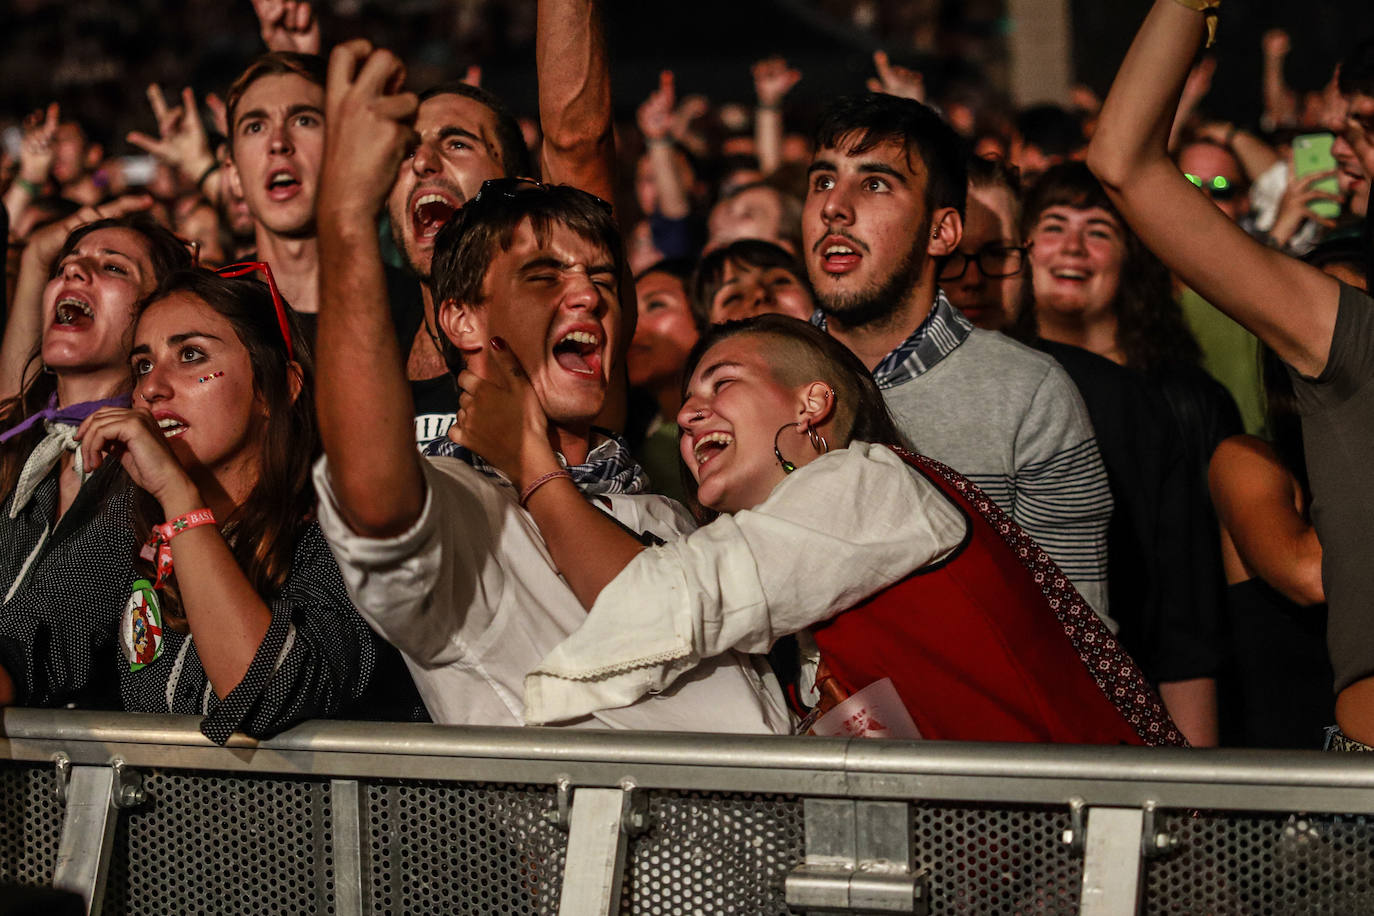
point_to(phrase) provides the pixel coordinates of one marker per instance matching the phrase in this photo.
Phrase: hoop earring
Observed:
(787, 466)
(817, 440)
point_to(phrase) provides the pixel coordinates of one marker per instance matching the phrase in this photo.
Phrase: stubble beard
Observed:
(867, 307)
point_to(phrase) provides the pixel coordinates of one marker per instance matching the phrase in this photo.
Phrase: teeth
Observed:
(702, 444)
(168, 423)
(281, 178)
(1070, 274)
(68, 307)
(431, 199)
(581, 337)
(839, 249)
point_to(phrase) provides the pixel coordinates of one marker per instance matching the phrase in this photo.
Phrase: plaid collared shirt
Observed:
(934, 338)
(609, 468)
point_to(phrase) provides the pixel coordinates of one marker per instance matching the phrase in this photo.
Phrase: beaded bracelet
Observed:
(200, 182)
(539, 482)
(159, 546)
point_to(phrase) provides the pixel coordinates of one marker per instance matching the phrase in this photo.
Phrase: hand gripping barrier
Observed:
(141, 814)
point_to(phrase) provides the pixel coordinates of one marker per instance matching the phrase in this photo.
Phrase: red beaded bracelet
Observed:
(159, 547)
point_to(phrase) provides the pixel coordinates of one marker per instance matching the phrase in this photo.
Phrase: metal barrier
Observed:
(140, 814)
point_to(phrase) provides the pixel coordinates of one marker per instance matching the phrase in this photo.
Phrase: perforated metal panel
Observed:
(30, 824)
(997, 860)
(708, 854)
(206, 843)
(457, 849)
(1239, 864)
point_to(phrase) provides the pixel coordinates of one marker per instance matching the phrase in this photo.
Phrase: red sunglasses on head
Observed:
(229, 271)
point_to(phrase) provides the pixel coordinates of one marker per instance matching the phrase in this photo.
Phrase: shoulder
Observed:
(651, 513)
(1010, 356)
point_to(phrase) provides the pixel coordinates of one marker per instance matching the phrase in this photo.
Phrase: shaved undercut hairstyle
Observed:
(466, 246)
(858, 123)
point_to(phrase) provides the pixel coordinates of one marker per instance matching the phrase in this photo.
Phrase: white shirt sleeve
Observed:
(394, 581)
(831, 534)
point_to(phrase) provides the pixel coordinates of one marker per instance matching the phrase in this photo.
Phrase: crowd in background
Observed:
(1030, 297)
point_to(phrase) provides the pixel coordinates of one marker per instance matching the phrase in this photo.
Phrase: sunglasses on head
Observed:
(229, 271)
(1218, 187)
(514, 187)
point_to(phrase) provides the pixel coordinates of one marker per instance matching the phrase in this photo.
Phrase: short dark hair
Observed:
(510, 140)
(1053, 130)
(1150, 330)
(466, 246)
(880, 118)
(1357, 70)
(310, 67)
(994, 173)
(710, 273)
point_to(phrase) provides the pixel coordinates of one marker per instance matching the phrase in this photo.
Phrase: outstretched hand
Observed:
(133, 436)
(45, 243)
(501, 419)
(895, 80)
(773, 79)
(36, 149)
(368, 128)
(288, 25)
(181, 140)
(655, 116)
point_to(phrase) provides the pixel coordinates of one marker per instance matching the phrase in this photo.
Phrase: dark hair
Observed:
(510, 140)
(262, 531)
(1357, 70)
(1053, 130)
(166, 253)
(674, 267)
(994, 173)
(310, 67)
(1150, 329)
(710, 273)
(880, 118)
(466, 246)
(1347, 251)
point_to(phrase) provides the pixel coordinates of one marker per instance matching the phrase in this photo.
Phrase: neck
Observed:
(295, 264)
(77, 388)
(572, 442)
(873, 340)
(224, 489)
(1096, 335)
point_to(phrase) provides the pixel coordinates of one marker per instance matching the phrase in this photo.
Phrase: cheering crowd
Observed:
(371, 400)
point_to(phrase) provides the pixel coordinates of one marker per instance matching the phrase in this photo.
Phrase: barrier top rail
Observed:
(1237, 779)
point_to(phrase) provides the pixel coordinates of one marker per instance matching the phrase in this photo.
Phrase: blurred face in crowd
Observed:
(458, 150)
(72, 157)
(754, 213)
(1352, 121)
(984, 279)
(1076, 259)
(747, 290)
(556, 303)
(664, 334)
(865, 229)
(277, 143)
(89, 304)
(1218, 174)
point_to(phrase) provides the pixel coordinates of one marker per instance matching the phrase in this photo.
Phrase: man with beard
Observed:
(467, 136)
(884, 208)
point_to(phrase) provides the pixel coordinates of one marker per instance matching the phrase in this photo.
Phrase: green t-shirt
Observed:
(1230, 354)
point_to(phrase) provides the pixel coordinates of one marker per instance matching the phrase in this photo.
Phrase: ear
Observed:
(464, 325)
(816, 404)
(235, 182)
(946, 231)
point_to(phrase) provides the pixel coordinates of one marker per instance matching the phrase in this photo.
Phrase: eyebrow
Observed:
(724, 364)
(176, 339)
(462, 132)
(820, 165)
(551, 263)
(293, 110)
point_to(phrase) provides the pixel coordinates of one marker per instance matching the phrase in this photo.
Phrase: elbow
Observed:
(1306, 587)
(1108, 165)
(371, 514)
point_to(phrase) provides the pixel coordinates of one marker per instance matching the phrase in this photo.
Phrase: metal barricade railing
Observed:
(140, 814)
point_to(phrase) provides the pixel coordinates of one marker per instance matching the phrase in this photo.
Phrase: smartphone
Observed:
(137, 170)
(1312, 154)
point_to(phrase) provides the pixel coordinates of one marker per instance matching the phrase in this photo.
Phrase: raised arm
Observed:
(1287, 304)
(773, 79)
(181, 142)
(655, 118)
(35, 161)
(363, 398)
(575, 97)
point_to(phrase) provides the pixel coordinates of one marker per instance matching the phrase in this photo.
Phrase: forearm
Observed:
(575, 97)
(23, 327)
(17, 200)
(1256, 156)
(1192, 705)
(768, 137)
(1278, 101)
(1133, 128)
(672, 196)
(588, 548)
(363, 399)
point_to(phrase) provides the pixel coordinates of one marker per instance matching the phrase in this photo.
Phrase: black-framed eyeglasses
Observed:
(994, 262)
(230, 271)
(514, 187)
(1218, 187)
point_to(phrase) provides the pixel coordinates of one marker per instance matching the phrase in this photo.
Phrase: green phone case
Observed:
(1312, 154)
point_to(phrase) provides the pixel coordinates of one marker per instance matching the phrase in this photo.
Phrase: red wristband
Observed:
(159, 547)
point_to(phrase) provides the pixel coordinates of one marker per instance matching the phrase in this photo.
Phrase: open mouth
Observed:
(429, 213)
(282, 183)
(1066, 273)
(839, 256)
(74, 313)
(579, 352)
(172, 427)
(710, 445)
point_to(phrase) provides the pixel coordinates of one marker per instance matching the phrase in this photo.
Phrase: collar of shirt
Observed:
(942, 331)
(609, 468)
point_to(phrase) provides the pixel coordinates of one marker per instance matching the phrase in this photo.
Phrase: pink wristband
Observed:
(539, 482)
(159, 547)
